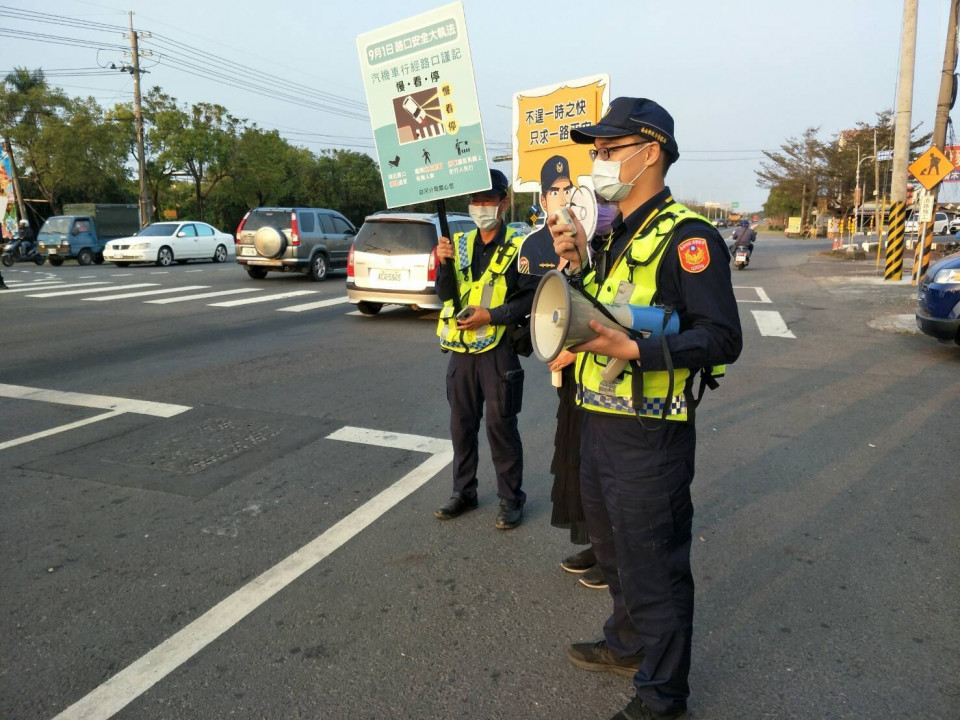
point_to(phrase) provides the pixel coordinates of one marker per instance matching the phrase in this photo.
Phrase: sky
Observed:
(738, 76)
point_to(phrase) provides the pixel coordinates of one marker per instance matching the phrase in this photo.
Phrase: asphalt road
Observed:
(249, 533)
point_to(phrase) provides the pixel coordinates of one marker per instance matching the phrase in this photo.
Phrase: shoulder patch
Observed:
(694, 254)
(523, 265)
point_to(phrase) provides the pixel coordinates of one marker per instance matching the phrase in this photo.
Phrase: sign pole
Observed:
(449, 274)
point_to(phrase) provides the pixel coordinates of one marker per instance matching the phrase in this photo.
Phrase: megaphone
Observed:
(583, 203)
(560, 318)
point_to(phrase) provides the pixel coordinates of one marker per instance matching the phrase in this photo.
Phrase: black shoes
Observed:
(579, 563)
(597, 657)
(510, 514)
(593, 579)
(455, 507)
(636, 710)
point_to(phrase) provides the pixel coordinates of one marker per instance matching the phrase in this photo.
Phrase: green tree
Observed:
(347, 181)
(205, 148)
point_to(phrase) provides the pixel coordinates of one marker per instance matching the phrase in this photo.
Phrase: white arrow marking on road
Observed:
(100, 402)
(135, 679)
(162, 291)
(771, 324)
(313, 305)
(761, 294)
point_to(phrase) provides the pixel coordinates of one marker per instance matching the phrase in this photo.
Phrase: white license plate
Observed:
(53, 251)
(248, 252)
(391, 275)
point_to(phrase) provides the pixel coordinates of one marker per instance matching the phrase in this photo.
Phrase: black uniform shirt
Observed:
(520, 288)
(709, 320)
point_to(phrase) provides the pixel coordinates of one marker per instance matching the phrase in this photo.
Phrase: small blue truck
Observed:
(83, 230)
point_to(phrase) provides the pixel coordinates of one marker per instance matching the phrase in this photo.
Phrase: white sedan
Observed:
(165, 242)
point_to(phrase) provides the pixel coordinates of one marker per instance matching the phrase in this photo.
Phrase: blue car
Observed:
(938, 304)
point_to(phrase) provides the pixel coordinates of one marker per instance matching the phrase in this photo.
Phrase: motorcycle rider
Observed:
(26, 237)
(744, 236)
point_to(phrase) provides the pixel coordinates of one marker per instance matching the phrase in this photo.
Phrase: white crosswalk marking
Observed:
(263, 298)
(61, 293)
(52, 285)
(26, 287)
(161, 291)
(200, 296)
(313, 305)
(771, 324)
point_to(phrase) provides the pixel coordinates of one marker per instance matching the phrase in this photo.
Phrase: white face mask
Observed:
(606, 178)
(485, 216)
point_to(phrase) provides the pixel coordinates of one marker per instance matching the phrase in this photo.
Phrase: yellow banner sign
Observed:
(542, 121)
(793, 226)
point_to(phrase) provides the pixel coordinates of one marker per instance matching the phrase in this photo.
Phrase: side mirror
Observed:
(352, 231)
(75, 230)
(181, 234)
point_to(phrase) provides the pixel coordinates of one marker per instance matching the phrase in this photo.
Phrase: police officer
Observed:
(638, 437)
(537, 256)
(484, 371)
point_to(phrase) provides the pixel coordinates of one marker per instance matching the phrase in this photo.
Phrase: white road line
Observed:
(51, 285)
(313, 306)
(121, 274)
(85, 277)
(399, 441)
(263, 298)
(93, 290)
(193, 271)
(771, 324)
(101, 402)
(200, 296)
(60, 429)
(161, 272)
(124, 296)
(761, 294)
(142, 674)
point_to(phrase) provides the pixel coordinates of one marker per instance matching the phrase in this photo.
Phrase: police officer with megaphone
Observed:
(638, 438)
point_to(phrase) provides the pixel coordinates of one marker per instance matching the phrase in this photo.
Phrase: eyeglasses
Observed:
(604, 152)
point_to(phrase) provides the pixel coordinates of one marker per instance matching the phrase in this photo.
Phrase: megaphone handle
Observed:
(556, 378)
(614, 368)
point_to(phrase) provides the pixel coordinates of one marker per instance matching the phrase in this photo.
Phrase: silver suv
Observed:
(394, 260)
(310, 240)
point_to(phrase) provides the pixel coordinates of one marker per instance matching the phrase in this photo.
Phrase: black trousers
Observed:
(475, 381)
(635, 483)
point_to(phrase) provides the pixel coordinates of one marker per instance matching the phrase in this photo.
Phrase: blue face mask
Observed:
(605, 216)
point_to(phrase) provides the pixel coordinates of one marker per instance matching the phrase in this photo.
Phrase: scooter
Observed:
(13, 251)
(741, 257)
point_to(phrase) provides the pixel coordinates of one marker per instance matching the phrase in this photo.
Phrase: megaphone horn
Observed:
(560, 318)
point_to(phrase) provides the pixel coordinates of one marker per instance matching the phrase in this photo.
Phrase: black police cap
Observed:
(499, 182)
(633, 116)
(553, 169)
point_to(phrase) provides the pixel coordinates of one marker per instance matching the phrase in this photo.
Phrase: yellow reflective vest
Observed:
(633, 280)
(488, 291)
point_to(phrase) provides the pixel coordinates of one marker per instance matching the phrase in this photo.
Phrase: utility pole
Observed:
(901, 143)
(944, 104)
(143, 198)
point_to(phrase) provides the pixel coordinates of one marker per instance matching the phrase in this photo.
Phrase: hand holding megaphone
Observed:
(610, 342)
(569, 239)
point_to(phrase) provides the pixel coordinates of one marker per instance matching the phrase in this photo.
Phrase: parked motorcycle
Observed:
(17, 250)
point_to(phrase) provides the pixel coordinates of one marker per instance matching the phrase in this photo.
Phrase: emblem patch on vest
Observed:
(694, 254)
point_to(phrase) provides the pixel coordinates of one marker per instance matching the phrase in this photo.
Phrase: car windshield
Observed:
(158, 230)
(396, 238)
(279, 219)
(57, 225)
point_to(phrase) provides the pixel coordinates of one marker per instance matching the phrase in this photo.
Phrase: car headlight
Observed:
(948, 275)
(140, 246)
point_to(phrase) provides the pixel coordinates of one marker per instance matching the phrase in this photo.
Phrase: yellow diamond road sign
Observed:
(931, 168)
